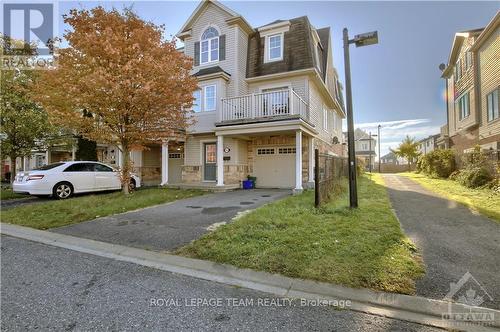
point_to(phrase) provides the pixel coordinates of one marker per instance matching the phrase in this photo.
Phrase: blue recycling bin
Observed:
(248, 184)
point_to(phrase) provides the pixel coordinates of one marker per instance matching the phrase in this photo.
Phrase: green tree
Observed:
(24, 125)
(408, 149)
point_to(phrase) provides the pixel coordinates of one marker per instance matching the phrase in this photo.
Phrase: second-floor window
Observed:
(492, 104)
(463, 106)
(210, 97)
(364, 146)
(209, 47)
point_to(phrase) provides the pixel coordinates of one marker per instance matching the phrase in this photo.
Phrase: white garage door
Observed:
(275, 167)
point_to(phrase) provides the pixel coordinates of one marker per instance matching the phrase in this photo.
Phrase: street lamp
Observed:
(360, 40)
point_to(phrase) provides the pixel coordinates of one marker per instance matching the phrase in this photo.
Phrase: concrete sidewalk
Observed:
(453, 239)
(171, 225)
(409, 308)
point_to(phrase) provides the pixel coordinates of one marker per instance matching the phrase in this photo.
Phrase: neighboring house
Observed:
(38, 158)
(473, 78)
(365, 147)
(390, 158)
(428, 144)
(268, 97)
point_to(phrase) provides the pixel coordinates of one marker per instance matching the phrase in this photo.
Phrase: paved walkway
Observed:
(453, 240)
(168, 226)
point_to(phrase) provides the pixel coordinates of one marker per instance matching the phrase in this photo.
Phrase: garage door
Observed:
(274, 167)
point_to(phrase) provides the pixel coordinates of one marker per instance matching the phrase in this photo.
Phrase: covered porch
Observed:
(279, 154)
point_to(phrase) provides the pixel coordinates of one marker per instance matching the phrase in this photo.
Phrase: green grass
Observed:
(355, 248)
(483, 200)
(87, 207)
(7, 193)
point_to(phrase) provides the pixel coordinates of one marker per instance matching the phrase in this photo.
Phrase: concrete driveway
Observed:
(168, 226)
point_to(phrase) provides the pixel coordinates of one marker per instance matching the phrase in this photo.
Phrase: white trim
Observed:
(164, 163)
(273, 28)
(220, 160)
(298, 160)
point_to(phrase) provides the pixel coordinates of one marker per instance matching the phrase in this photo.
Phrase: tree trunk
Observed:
(125, 162)
(12, 168)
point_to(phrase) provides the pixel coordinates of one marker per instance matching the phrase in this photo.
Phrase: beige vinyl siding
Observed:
(451, 107)
(489, 75)
(463, 85)
(297, 83)
(205, 121)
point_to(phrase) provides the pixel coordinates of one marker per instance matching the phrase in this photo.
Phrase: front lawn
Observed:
(7, 193)
(356, 248)
(87, 207)
(484, 200)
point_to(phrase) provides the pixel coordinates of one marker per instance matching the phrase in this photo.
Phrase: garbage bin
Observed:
(253, 179)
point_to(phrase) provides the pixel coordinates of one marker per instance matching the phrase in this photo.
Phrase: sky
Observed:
(396, 83)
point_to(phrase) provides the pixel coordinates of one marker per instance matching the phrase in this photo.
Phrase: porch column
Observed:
(47, 156)
(298, 160)
(311, 159)
(118, 157)
(164, 163)
(220, 160)
(73, 153)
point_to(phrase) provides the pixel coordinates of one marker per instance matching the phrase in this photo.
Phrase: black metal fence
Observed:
(329, 174)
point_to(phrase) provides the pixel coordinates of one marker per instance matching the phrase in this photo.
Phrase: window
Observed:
(492, 104)
(49, 166)
(275, 47)
(197, 101)
(80, 167)
(463, 106)
(175, 155)
(210, 97)
(102, 168)
(458, 70)
(364, 146)
(468, 60)
(325, 119)
(287, 150)
(209, 49)
(263, 151)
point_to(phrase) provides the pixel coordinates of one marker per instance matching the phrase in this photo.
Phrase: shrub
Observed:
(474, 177)
(437, 163)
(478, 169)
(360, 166)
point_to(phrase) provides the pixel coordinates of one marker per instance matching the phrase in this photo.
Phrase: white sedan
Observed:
(63, 179)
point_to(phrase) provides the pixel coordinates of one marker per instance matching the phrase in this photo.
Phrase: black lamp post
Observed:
(360, 40)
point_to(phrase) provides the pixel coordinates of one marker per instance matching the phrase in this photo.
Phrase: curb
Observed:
(404, 307)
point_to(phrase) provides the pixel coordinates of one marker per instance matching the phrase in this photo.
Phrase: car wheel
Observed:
(62, 190)
(131, 186)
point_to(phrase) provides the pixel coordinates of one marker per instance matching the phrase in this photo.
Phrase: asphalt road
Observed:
(49, 288)
(453, 241)
(168, 226)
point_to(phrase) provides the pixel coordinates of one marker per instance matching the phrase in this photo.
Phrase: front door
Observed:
(210, 162)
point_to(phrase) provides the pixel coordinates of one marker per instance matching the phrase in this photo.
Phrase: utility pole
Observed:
(379, 126)
(370, 152)
(359, 40)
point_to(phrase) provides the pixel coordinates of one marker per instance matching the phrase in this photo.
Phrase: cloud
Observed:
(393, 132)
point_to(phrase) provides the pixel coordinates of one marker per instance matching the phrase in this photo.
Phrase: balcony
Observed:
(265, 106)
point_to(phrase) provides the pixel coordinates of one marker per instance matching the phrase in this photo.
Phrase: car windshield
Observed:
(49, 166)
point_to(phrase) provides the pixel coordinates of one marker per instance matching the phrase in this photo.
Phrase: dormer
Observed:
(274, 40)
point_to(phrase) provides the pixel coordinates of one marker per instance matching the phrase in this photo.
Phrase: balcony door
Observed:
(209, 161)
(276, 101)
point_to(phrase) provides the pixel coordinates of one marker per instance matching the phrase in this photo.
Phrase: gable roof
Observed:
(458, 40)
(487, 31)
(235, 17)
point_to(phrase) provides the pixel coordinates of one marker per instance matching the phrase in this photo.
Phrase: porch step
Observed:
(204, 186)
